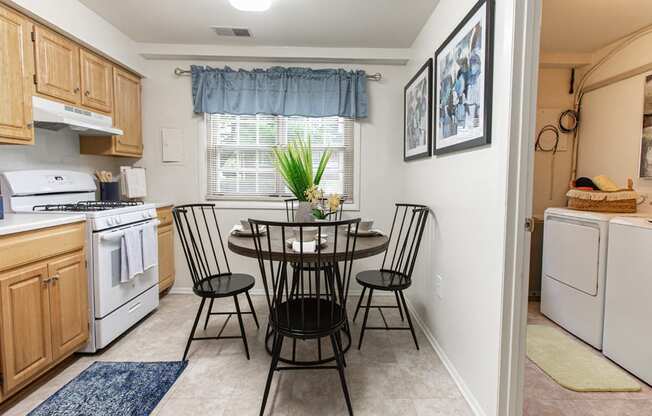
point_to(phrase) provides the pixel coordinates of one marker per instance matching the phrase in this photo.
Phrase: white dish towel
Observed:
(131, 254)
(150, 246)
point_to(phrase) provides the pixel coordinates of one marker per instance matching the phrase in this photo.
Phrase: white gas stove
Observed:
(114, 306)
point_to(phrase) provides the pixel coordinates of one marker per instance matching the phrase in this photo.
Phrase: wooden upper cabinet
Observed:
(127, 113)
(69, 304)
(16, 83)
(96, 82)
(25, 327)
(57, 66)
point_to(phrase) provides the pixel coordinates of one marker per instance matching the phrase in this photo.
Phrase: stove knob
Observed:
(146, 215)
(118, 220)
(110, 221)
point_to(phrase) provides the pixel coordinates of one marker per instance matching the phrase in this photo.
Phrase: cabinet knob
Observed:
(76, 90)
(87, 93)
(46, 282)
(54, 278)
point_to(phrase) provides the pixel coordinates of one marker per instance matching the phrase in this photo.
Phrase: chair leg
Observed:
(357, 308)
(276, 353)
(407, 315)
(338, 337)
(242, 330)
(208, 313)
(253, 311)
(194, 327)
(366, 315)
(398, 303)
(340, 368)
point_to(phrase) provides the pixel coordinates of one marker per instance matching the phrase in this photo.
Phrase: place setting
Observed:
(243, 229)
(365, 229)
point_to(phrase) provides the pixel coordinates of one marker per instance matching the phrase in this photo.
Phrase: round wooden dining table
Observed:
(366, 246)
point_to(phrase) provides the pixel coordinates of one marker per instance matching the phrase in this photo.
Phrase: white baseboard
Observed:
(457, 378)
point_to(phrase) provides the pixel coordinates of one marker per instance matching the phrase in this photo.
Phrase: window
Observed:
(240, 160)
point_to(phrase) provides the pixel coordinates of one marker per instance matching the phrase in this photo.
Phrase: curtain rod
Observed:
(179, 72)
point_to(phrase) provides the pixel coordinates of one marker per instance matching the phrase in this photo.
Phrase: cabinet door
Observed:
(68, 303)
(25, 328)
(165, 257)
(127, 112)
(96, 82)
(16, 83)
(57, 66)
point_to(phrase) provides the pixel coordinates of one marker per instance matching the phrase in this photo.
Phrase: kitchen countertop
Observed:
(16, 223)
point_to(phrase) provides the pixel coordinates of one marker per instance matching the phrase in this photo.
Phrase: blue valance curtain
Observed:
(280, 91)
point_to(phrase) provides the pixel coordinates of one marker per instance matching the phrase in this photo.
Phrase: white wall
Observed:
(552, 172)
(612, 118)
(55, 150)
(465, 240)
(167, 103)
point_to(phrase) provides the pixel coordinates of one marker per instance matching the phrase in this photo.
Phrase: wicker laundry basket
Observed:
(623, 200)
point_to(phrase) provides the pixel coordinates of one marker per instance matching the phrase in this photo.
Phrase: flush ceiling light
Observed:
(251, 5)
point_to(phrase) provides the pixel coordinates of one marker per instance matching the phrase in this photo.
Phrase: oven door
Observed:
(109, 292)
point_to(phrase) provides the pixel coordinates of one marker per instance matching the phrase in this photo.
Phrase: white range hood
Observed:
(52, 115)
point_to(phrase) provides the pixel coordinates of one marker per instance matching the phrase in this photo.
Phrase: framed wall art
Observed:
(463, 83)
(417, 110)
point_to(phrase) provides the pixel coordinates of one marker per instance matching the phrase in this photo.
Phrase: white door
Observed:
(571, 253)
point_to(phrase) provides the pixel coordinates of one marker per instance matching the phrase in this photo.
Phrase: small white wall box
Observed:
(171, 145)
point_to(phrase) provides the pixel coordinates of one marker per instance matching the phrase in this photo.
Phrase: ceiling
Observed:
(311, 23)
(582, 26)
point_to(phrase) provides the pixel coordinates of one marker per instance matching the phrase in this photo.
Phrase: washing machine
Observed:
(628, 298)
(573, 271)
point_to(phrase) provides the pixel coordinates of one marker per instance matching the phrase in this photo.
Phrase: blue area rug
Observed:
(113, 389)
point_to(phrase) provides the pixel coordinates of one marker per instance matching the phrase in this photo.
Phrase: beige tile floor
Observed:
(388, 377)
(544, 397)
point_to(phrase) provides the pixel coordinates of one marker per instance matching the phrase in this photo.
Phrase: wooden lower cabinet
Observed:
(43, 304)
(26, 324)
(165, 249)
(68, 304)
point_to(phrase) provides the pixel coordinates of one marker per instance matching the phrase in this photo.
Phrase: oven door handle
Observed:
(118, 236)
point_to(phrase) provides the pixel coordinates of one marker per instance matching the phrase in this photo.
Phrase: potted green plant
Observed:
(294, 163)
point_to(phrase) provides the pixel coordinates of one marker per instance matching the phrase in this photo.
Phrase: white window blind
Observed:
(240, 160)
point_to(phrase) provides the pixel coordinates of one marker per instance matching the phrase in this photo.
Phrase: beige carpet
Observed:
(574, 365)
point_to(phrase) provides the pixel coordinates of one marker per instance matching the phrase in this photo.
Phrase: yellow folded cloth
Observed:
(605, 184)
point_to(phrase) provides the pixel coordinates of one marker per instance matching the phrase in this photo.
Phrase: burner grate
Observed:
(85, 206)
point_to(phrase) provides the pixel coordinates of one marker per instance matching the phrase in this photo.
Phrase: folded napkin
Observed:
(237, 230)
(308, 246)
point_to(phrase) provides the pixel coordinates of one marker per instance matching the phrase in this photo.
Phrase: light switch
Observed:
(171, 145)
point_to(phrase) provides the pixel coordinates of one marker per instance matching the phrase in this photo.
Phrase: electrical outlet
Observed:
(438, 286)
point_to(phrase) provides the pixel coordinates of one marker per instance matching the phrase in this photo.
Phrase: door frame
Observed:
(520, 184)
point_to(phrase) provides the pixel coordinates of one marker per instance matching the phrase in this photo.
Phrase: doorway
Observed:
(595, 62)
